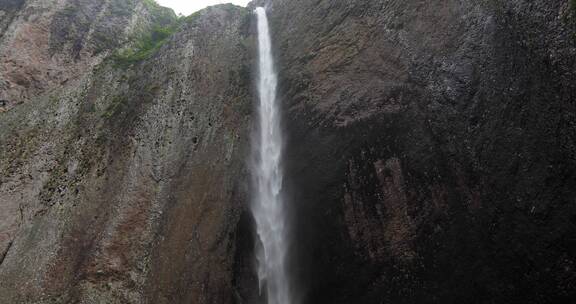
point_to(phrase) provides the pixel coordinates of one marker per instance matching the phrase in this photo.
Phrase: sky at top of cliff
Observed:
(187, 7)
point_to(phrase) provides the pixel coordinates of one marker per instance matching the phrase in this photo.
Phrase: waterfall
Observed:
(268, 205)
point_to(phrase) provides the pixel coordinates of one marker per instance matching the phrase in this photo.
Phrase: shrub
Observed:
(145, 46)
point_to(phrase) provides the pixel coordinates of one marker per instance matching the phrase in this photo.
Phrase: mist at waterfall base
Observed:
(268, 204)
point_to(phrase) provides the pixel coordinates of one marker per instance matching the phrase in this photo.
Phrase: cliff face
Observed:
(44, 44)
(432, 153)
(124, 184)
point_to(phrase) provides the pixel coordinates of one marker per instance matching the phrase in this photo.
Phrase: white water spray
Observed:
(268, 206)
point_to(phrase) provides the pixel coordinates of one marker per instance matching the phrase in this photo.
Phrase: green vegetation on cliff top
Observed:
(149, 41)
(145, 46)
(166, 23)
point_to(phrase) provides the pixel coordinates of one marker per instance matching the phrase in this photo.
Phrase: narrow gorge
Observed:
(288, 152)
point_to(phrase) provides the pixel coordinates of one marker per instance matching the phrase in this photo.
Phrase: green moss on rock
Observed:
(115, 106)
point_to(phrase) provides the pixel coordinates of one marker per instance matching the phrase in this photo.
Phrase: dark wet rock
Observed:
(431, 156)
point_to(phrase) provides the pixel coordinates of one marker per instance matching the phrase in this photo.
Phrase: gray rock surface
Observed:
(126, 184)
(45, 43)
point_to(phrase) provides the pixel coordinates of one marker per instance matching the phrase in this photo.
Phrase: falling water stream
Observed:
(268, 205)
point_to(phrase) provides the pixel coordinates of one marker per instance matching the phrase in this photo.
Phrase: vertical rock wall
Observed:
(127, 183)
(431, 152)
(432, 149)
